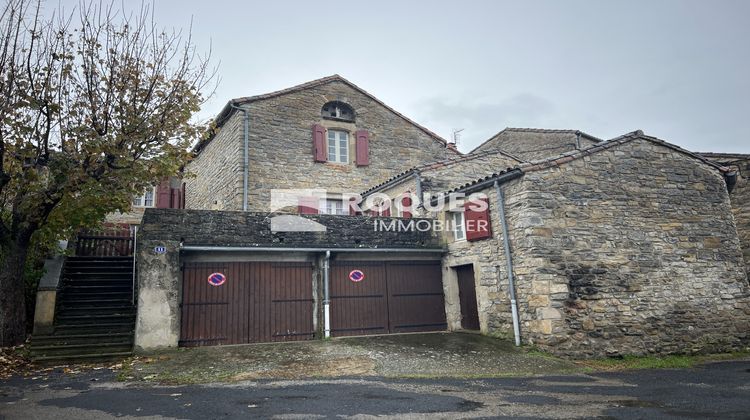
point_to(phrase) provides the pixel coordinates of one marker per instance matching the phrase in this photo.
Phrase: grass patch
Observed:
(680, 361)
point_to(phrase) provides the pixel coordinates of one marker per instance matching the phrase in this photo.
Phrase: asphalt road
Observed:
(718, 390)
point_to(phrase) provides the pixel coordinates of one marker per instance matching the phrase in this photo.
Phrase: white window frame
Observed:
(140, 200)
(333, 206)
(458, 234)
(334, 144)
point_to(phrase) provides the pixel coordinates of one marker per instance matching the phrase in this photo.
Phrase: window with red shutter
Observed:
(477, 223)
(406, 203)
(320, 154)
(363, 147)
(308, 205)
(163, 195)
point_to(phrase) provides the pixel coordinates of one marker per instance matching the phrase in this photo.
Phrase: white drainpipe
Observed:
(509, 260)
(326, 297)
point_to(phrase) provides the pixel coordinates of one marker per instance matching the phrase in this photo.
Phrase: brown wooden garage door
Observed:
(394, 297)
(259, 302)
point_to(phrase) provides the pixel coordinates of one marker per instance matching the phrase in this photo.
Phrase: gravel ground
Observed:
(410, 355)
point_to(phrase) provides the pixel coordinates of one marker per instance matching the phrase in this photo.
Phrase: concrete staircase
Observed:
(94, 315)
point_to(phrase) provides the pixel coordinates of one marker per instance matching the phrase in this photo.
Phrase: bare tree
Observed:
(95, 104)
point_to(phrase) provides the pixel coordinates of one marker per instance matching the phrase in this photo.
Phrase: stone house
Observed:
(625, 247)
(326, 134)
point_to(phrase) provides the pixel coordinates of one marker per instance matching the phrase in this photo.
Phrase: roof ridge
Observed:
(537, 130)
(229, 108)
(571, 156)
(625, 138)
(440, 163)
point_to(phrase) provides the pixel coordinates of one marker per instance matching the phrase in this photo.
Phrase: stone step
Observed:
(53, 339)
(98, 319)
(91, 328)
(94, 302)
(96, 310)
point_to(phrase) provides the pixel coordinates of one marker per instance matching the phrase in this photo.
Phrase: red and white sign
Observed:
(216, 279)
(356, 276)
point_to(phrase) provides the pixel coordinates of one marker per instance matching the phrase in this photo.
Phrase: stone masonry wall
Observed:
(247, 229)
(281, 149)
(740, 198)
(635, 249)
(488, 260)
(214, 178)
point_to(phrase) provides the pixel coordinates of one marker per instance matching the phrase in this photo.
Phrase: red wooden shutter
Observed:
(406, 203)
(174, 195)
(363, 147)
(320, 154)
(308, 205)
(163, 195)
(477, 223)
(353, 207)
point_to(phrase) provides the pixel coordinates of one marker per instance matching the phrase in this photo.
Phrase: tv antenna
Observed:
(457, 135)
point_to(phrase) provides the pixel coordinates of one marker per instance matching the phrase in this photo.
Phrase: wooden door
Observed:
(467, 297)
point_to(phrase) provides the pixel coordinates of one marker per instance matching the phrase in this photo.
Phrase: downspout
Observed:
(418, 192)
(326, 297)
(509, 260)
(245, 158)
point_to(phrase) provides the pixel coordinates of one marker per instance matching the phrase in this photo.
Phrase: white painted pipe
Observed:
(326, 296)
(509, 260)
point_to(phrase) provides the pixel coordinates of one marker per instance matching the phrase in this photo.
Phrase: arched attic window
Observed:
(338, 110)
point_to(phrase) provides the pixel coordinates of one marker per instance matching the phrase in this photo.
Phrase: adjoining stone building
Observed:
(531, 144)
(625, 247)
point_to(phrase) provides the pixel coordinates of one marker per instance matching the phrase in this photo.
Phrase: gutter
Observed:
(418, 192)
(509, 261)
(245, 158)
(499, 179)
(271, 249)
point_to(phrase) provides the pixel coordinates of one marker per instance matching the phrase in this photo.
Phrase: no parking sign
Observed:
(356, 276)
(216, 279)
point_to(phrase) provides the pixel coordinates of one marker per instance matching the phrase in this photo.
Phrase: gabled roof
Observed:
(578, 154)
(437, 165)
(724, 158)
(509, 131)
(230, 107)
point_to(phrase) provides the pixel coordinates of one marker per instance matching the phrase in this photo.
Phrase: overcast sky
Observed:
(679, 70)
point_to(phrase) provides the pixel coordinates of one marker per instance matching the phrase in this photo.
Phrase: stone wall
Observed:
(281, 149)
(631, 250)
(214, 178)
(488, 260)
(741, 207)
(246, 229)
(158, 319)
